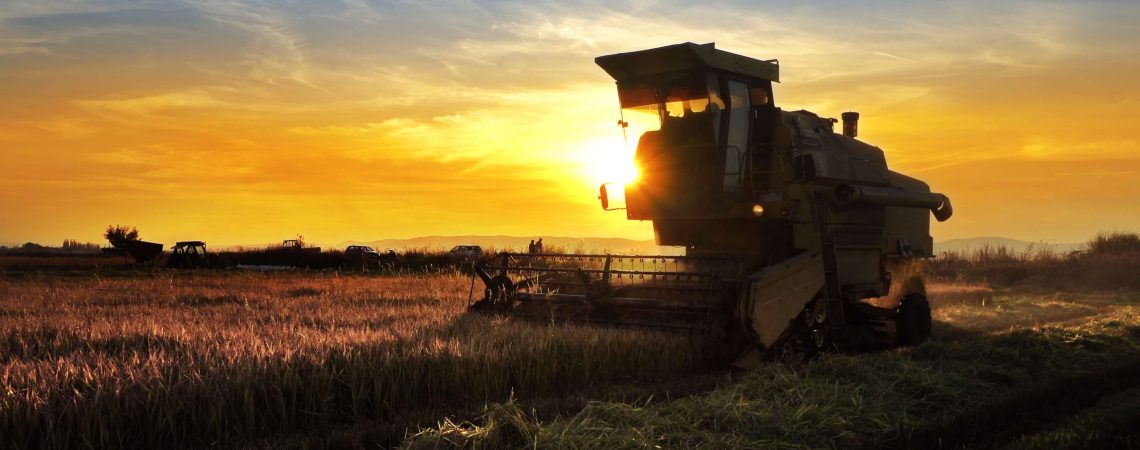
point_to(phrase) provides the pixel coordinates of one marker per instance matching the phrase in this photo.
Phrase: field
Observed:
(171, 359)
(155, 358)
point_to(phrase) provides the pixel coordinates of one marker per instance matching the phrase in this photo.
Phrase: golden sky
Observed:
(251, 122)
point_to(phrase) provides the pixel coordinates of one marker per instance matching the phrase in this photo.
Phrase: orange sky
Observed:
(251, 122)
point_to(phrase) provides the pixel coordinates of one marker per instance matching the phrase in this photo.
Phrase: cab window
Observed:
(737, 141)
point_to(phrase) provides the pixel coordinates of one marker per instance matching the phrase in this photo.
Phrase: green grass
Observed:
(943, 393)
(1113, 422)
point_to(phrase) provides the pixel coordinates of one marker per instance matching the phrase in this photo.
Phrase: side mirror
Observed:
(604, 196)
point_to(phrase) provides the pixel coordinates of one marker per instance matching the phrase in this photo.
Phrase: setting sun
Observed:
(608, 160)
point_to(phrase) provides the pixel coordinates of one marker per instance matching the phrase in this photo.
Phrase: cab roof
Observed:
(671, 58)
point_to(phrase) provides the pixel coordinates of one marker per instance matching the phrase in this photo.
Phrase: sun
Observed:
(608, 160)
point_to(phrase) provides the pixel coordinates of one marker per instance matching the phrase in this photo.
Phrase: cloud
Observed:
(276, 54)
(58, 28)
(152, 104)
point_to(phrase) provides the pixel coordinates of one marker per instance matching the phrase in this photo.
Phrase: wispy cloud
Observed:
(275, 54)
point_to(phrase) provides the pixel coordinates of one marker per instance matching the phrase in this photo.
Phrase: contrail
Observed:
(891, 56)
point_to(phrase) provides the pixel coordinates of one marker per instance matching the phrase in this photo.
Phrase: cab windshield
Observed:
(650, 105)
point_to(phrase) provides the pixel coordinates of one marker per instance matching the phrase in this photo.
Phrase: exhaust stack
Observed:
(850, 124)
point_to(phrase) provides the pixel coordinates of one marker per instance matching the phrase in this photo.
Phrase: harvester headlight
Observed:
(757, 210)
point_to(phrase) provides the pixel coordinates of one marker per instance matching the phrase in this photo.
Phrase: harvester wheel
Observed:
(819, 310)
(806, 337)
(816, 319)
(819, 338)
(913, 321)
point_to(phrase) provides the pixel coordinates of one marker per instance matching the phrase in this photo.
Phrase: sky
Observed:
(254, 121)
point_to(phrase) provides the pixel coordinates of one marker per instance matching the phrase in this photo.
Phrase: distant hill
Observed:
(971, 244)
(515, 243)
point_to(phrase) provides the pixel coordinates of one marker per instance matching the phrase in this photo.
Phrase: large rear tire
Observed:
(913, 321)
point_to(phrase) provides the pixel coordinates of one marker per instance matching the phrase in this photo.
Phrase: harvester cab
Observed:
(788, 226)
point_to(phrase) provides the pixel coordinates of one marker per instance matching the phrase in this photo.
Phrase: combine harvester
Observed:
(789, 227)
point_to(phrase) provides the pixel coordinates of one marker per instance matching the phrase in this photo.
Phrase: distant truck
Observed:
(298, 245)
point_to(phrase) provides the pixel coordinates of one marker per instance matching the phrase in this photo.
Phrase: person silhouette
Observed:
(538, 246)
(530, 249)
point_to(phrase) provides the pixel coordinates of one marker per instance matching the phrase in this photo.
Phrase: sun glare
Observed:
(608, 160)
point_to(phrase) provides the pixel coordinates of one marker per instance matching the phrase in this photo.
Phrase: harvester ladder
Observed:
(830, 265)
(759, 175)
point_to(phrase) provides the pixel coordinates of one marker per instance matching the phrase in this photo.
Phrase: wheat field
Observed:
(170, 359)
(154, 358)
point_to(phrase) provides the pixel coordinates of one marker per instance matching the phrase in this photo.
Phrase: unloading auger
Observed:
(789, 228)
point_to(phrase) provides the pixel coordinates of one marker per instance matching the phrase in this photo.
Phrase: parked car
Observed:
(363, 254)
(466, 252)
(357, 252)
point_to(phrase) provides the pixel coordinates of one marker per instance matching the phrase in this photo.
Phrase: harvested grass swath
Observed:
(920, 398)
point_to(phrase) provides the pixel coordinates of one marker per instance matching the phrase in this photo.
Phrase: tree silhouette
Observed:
(119, 235)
